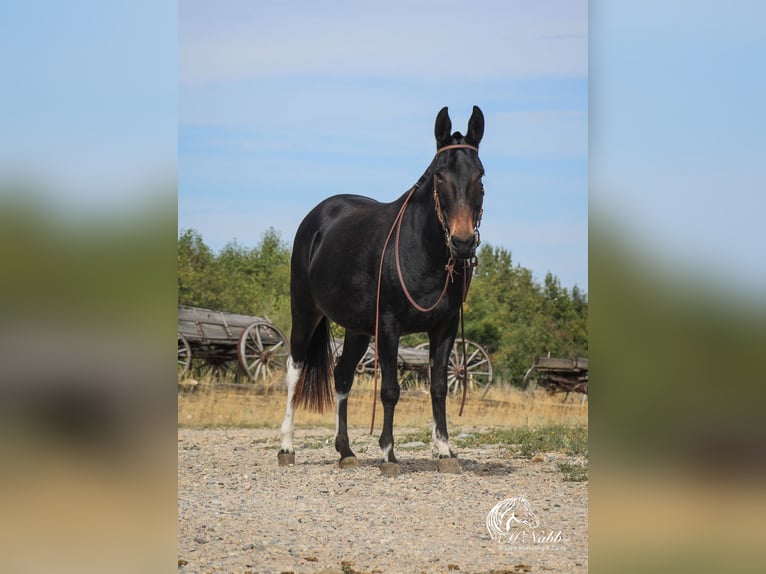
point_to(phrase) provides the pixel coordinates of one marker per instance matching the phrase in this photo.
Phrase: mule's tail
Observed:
(314, 390)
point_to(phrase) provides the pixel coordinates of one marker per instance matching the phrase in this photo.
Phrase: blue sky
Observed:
(678, 137)
(284, 104)
(89, 101)
(250, 99)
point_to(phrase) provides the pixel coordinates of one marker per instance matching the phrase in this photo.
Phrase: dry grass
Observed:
(227, 405)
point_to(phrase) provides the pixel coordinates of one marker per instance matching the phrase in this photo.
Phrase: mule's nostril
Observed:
(464, 246)
(462, 242)
(466, 241)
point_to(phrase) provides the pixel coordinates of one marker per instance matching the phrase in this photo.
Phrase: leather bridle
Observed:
(468, 267)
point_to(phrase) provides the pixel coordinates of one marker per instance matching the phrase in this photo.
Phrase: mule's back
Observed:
(334, 258)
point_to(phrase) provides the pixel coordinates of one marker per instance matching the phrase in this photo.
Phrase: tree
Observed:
(515, 318)
(237, 280)
(507, 312)
(195, 267)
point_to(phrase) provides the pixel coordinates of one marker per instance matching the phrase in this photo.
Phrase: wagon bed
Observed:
(559, 374)
(218, 338)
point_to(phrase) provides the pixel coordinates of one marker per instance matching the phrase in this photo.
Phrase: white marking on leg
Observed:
(288, 424)
(441, 443)
(338, 398)
(387, 452)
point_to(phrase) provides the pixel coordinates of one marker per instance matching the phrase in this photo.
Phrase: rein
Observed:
(468, 267)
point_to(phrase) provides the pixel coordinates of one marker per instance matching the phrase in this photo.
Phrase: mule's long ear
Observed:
(475, 127)
(443, 128)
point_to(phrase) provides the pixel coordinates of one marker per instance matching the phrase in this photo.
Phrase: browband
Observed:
(457, 146)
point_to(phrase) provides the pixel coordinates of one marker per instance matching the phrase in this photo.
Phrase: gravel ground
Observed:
(240, 513)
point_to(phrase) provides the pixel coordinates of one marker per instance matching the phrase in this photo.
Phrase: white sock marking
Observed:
(386, 453)
(441, 443)
(338, 398)
(288, 424)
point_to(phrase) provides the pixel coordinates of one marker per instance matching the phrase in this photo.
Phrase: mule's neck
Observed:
(422, 233)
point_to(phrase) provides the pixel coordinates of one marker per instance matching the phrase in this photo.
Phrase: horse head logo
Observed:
(510, 514)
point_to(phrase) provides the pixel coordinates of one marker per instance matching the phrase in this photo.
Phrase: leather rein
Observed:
(468, 267)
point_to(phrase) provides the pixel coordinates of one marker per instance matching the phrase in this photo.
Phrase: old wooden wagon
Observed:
(222, 339)
(558, 374)
(413, 363)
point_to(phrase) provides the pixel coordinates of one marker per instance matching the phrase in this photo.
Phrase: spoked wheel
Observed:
(478, 366)
(184, 356)
(529, 383)
(366, 365)
(262, 350)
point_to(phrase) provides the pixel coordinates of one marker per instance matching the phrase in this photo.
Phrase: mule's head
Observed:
(458, 187)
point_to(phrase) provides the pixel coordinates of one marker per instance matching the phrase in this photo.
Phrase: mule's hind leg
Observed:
(299, 341)
(354, 348)
(287, 450)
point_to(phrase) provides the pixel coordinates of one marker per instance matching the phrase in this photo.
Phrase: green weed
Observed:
(573, 472)
(526, 442)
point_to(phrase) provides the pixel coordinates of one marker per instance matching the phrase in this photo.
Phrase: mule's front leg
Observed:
(389, 396)
(440, 344)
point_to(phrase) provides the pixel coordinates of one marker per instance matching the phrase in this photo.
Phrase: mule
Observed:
(385, 270)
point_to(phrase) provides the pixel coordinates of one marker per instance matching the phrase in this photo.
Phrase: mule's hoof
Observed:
(450, 465)
(390, 469)
(286, 458)
(349, 462)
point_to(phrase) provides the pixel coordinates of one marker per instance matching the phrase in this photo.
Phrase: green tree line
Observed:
(514, 317)
(237, 279)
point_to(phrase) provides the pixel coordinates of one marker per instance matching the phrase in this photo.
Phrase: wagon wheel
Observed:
(478, 366)
(184, 356)
(527, 383)
(366, 365)
(262, 350)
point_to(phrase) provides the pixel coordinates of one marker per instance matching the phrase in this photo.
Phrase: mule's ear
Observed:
(475, 127)
(443, 128)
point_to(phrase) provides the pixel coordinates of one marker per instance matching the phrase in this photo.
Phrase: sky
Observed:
(281, 105)
(649, 116)
(89, 101)
(677, 137)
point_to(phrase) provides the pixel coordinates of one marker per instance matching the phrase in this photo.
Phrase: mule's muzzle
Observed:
(463, 246)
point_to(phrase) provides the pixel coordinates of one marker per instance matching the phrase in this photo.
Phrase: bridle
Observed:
(468, 266)
(450, 266)
(443, 220)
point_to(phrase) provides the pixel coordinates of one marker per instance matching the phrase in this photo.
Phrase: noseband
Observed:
(440, 213)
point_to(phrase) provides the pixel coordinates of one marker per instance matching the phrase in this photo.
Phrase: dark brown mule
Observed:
(334, 276)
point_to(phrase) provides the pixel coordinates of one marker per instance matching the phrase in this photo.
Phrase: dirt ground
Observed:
(239, 512)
